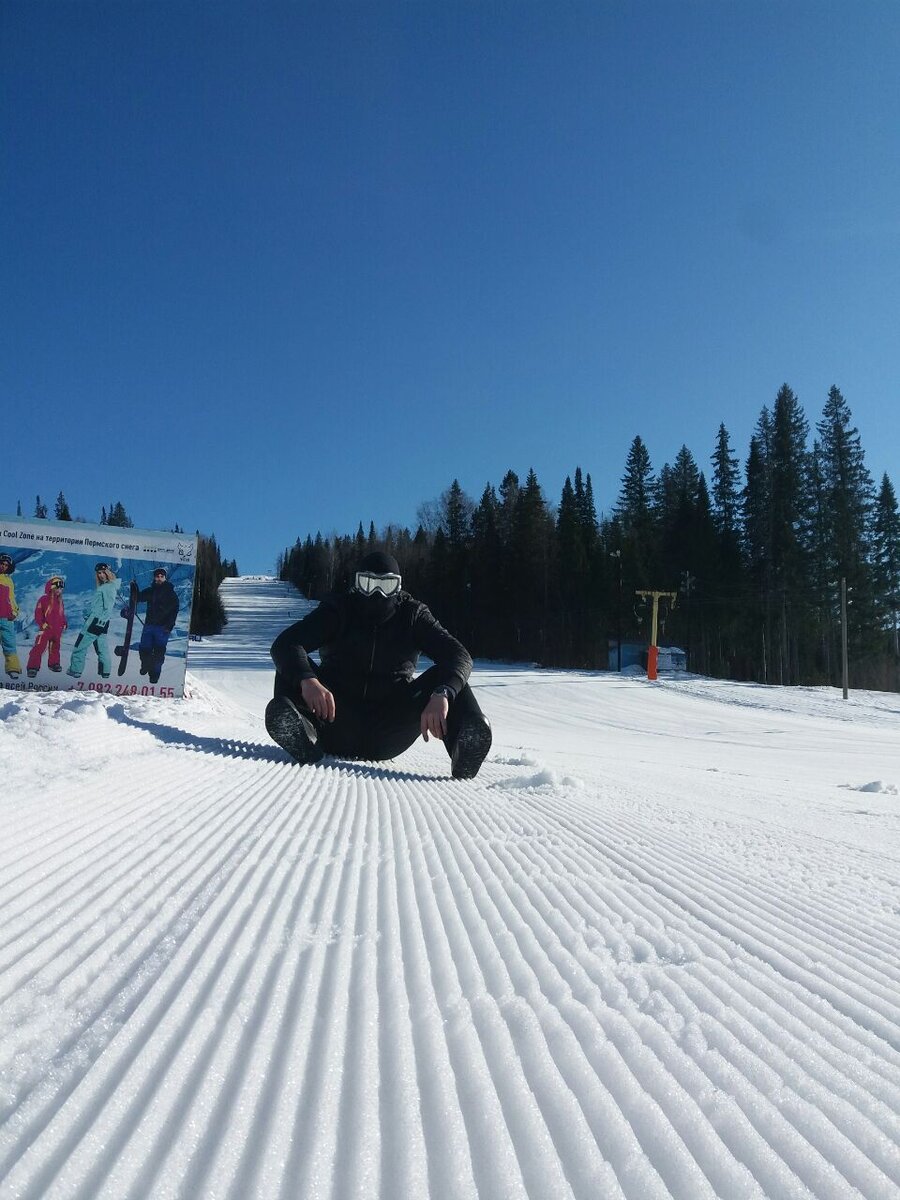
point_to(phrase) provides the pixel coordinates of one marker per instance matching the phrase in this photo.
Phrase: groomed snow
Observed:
(651, 951)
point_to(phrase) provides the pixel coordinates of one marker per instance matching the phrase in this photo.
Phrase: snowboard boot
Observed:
(294, 732)
(473, 740)
(55, 667)
(32, 672)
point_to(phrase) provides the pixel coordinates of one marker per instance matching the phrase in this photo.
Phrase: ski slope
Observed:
(651, 951)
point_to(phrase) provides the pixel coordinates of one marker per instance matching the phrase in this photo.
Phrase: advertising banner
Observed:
(94, 607)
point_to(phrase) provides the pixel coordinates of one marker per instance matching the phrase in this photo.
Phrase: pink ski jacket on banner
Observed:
(50, 611)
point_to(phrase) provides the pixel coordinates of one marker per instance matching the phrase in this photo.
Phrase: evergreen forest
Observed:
(754, 554)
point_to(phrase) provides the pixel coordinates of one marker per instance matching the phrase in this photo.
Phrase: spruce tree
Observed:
(40, 509)
(633, 508)
(456, 518)
(790, 520)
(635, 515)
(849, 503)
(725, 495)
(61, 510)
(573, 569)
(207, 611)
(531, 564)
(886, 554)
(487, 592)
(117, 516)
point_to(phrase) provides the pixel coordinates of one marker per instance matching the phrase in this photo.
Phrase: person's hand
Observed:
(434, 717)
(317, 699)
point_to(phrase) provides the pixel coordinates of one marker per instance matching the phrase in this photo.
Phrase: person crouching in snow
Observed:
(50, 618)
(363, 700)
(9, 610)
(162, 611)
(96, 622)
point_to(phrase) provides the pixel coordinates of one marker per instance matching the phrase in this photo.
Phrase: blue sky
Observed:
(274, 268)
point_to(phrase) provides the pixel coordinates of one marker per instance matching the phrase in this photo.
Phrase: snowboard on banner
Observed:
(122, 651)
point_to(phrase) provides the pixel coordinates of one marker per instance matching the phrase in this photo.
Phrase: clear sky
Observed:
(272, 268)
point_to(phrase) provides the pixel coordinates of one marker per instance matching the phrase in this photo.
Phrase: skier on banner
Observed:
(50, 618)
(9, 610)
(96, 622)
(362, 701)
(162, 612)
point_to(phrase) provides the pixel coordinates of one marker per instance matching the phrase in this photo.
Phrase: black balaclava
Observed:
(380, 563)
(376, 609)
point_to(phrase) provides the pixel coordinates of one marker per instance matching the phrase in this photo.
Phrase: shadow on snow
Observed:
(169, 735)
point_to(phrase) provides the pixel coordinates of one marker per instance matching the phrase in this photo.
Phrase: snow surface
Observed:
(651, 951)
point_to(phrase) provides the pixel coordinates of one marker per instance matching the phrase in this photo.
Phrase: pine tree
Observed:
(454, 588)
(509, 495)
(633, 508)
(886, 554)
(725, 495)
(790, 520)
(359, 546)
(585, 511)
(635, 515)
(61, 511)
(789, 495)
(486, 590)
(573, 567)
(849, 500)
(531, 560)
(117, 516)
(208, 612)
(725, 512)
(40, 509)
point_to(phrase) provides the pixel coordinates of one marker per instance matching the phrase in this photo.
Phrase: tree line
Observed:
(207, 610)
(754, 552)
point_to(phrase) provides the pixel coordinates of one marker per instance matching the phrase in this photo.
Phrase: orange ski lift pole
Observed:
(653, 649)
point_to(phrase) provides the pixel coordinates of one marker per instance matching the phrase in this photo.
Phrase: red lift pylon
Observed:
(653, 649)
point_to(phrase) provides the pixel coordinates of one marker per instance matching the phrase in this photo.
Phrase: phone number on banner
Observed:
(125, 689)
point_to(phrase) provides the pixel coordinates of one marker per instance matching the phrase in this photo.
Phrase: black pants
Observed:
(379, 729)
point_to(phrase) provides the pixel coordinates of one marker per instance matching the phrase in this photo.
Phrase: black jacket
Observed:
(162, 604)
(364, 659)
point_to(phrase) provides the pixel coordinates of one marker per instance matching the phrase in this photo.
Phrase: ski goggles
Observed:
(369, 583)
(57, 583)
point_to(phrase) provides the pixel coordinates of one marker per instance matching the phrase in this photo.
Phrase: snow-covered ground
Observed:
(651, 951)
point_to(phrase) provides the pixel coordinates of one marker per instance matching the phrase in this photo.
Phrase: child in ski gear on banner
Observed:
(162, 612)
(363, 701)
(50, 618)
(96, 623)
(9, 610)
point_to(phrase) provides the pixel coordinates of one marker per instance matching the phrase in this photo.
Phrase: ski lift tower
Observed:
(653, 648)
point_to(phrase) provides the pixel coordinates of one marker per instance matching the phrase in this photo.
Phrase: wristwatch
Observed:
(444, 691)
